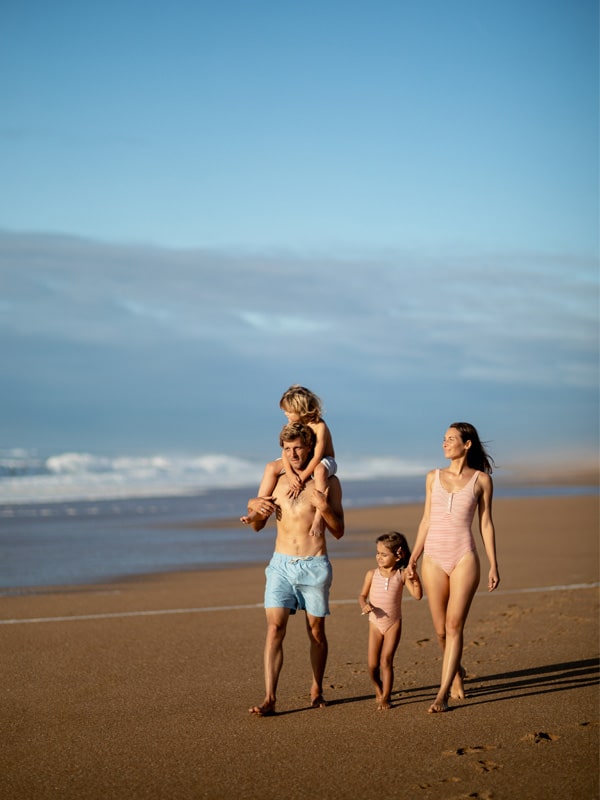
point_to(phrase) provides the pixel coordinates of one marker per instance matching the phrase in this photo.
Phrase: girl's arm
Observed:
(486, 527)
(413, 584)
(295, 482)
(363, 597)
(321, 436)
(423, 528)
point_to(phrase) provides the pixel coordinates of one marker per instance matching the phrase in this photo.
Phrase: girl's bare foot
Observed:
(384, 705)
(266, 710)
(457, 690)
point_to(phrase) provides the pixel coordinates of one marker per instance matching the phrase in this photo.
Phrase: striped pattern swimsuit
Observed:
(449, 537)
(385, 595)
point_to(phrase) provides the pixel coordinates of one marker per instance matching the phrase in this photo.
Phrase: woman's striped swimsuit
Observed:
(449, 537)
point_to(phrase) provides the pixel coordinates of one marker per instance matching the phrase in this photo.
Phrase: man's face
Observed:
(297, 453)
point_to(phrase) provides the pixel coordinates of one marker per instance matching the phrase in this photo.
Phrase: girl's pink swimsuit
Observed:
(385, 595)
(449, 537)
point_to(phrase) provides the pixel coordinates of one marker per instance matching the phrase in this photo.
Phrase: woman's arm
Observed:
(487, 530)
(423, 528)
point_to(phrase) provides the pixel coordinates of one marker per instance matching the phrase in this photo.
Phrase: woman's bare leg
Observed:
(449, 602)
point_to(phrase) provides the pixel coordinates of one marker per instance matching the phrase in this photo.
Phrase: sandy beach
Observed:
(140, 688)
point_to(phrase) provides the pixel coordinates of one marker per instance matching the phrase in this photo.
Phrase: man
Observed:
(299, 573)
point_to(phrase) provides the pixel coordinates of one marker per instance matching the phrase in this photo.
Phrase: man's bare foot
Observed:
(457, 690)
(266, 710)
(438, 706)
(318, 701)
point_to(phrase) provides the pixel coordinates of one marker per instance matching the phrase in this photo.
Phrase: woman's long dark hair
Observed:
(477, 456)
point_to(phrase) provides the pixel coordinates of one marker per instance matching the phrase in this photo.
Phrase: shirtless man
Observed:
(299, 573)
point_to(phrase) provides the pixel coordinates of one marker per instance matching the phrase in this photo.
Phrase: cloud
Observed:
(507, 318)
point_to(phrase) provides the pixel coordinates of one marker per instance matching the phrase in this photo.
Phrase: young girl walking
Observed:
(381, 599)
(301, 405)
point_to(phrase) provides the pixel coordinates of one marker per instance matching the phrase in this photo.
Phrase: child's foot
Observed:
(318, 527)
(383, 705)
(247, 519)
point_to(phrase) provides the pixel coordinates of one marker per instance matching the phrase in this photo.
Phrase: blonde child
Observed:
(381, 599)
(301, 405)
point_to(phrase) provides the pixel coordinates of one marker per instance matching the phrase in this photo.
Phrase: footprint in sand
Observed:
(464, 751)
(487, 766)
(536, 738)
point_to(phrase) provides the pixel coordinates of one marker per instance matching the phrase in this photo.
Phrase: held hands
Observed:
(411, 570)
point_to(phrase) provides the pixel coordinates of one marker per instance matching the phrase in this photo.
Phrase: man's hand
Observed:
(319, 499)
(259, 510)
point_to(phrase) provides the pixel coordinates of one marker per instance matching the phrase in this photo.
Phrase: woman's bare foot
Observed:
(266, 710)
(318, 701)
(457, 690)
(438, 706)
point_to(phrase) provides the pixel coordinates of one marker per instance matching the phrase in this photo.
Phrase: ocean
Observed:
(77, 518)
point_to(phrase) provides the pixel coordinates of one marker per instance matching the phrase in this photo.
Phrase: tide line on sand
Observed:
(250, 606)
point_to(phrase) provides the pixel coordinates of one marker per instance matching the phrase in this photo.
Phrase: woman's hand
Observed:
(493, 579)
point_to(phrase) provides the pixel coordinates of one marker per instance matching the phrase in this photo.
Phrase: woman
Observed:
(450, 569)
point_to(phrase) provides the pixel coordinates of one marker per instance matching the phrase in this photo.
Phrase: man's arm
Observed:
(329, 504)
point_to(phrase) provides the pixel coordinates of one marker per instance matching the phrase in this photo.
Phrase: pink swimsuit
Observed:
(385, 595)
(449, 537)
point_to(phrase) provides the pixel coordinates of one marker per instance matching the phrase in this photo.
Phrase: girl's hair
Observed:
(303, 402)
(477, 456)
(394, 541)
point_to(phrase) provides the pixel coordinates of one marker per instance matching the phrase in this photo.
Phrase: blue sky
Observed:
(393, 203)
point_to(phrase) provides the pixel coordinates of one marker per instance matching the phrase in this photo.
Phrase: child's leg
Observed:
(267, 485)
(320, 476)
(373, 658)
(391, 639)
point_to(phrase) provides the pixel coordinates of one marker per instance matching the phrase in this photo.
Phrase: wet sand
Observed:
(140, 688)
